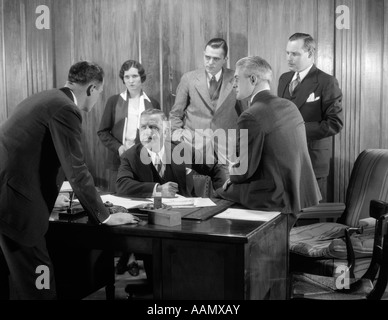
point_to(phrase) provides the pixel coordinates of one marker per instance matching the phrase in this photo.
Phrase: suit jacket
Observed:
(112, 122)
(42, 135)
(137, 179)
(279, 174)
(319, 100)
(193, 108)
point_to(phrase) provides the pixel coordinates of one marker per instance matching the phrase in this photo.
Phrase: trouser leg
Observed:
(4, 278)
(322, 183)
(31, 270)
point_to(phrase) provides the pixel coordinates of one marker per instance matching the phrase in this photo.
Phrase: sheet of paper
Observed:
(66, 187)
(204, 202)
(124, 202)
(245, 214)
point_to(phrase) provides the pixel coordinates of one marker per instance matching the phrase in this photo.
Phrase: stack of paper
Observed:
(179, 202)
(245, 214)
(182, 202)
(124, 202)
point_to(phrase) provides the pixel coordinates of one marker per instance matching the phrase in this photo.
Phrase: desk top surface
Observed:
(217, 229)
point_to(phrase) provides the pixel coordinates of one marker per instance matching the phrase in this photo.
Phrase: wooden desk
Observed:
(213, 259)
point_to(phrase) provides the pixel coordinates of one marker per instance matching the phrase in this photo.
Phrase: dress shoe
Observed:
(121, 268)
(133, 269)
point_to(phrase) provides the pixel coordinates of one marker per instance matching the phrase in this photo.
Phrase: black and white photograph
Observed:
(190, 157)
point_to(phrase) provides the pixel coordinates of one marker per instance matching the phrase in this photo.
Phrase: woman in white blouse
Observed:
(119, 131)
(119, 126)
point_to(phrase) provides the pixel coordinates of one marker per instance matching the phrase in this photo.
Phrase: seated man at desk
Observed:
(154, 165)
(279, 173)
(159, 165)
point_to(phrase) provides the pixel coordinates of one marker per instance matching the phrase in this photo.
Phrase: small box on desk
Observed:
(164, 217)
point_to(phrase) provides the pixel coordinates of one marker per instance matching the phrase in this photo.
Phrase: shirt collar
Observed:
(74, 98)
(125, 93)
(217, 75)
(257, 94)
(302, 74)
(153, 154)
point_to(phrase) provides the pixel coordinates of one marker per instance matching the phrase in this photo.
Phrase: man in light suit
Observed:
(319, 100)
(40, 137)
(279, 174)
(205, 100)
(159, 165)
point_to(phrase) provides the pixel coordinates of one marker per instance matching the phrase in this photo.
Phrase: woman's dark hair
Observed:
(135, 64)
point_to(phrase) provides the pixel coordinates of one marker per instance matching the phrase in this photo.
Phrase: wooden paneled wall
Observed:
(168, 37)
(361, 64)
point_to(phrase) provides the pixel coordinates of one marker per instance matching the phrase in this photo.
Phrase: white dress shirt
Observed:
(153, 159)
(210, 76)
(302, 74)
(132, 121)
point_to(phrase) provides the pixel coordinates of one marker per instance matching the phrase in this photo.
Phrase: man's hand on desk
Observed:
(120, 218)
(62, 201)
(168, 190)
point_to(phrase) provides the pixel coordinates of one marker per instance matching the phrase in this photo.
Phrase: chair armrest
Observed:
(202, 185)
(326, 210)
(349, 247)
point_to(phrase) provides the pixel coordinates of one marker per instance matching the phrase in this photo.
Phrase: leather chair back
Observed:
(368, 181)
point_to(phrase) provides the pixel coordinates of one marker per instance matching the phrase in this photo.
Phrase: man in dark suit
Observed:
(158, 165)
(205, 102)
(318, 98)
(40, 137)
(278, 175)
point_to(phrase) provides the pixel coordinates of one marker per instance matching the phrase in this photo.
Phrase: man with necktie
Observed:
(205, 102)
(159, 165)
(280, 176)
(318, 98)
(42, 136)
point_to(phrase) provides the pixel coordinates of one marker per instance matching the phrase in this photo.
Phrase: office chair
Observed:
(342, 287)
(202, 185)
(320, 248)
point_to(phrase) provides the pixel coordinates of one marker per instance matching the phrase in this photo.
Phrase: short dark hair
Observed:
(153, 111)
(135, 64)
(84, 72)
(309, 42)
(216, 43)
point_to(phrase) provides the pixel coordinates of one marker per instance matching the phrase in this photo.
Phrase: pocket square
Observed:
(312, 98)
(188, 171)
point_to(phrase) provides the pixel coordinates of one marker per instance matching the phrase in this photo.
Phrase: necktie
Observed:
(212, 86)
(294, 83)
(158, 165)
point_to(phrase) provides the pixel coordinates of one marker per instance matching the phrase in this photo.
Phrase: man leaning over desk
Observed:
(42, 135)
(159, 165)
